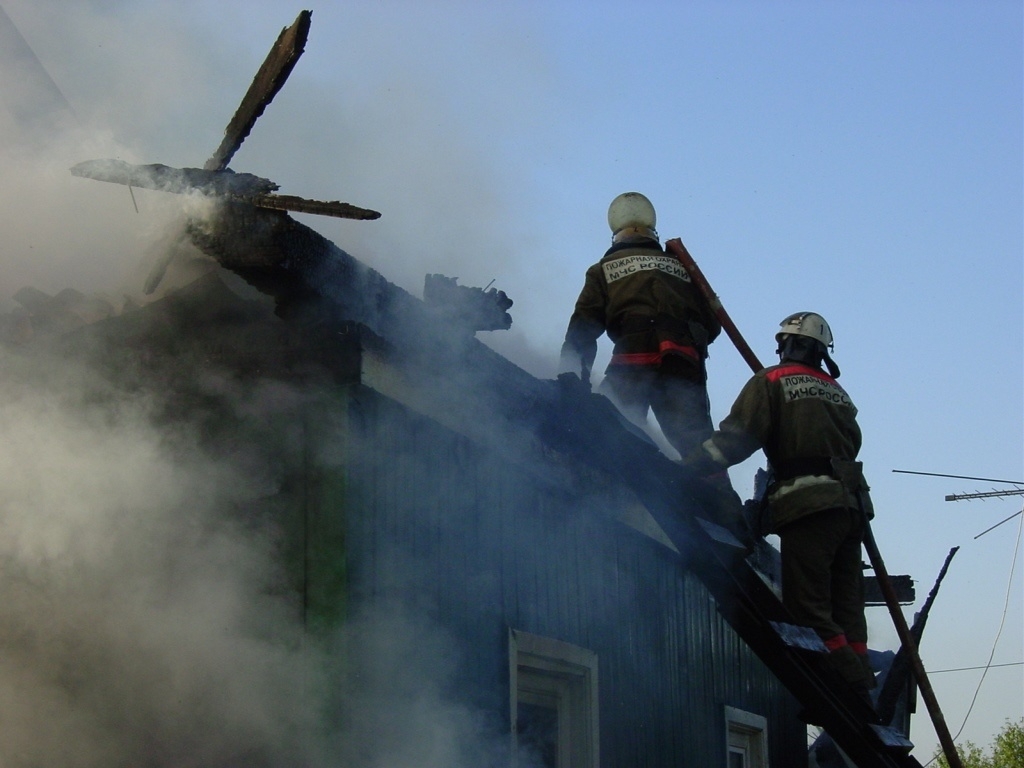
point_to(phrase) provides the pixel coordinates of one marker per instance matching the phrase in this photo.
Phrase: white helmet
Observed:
(632, 215)
(806, 324)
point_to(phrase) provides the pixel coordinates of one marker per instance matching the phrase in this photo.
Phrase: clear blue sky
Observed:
(862, 160)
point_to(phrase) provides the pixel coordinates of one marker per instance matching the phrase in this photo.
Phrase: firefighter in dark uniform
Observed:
(661, 326)
(806, 424)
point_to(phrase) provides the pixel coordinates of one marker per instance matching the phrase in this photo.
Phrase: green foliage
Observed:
(1006, 752)
(1009, 747)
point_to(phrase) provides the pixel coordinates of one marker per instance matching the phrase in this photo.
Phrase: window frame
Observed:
(545, 672)
(746, 734)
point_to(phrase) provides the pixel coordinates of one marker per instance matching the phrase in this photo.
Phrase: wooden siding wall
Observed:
(479, 544)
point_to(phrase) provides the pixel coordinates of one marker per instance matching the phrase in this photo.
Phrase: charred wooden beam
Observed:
(333, 208)
(240, 187)
(900, 676)
(177, 180)
(903, 585)
(475, 309)
(269, 80)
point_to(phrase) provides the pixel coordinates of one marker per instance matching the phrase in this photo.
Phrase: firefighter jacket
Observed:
(807, 426)
(644, 300)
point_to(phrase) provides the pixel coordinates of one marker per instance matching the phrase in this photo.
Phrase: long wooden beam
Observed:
(268, 81)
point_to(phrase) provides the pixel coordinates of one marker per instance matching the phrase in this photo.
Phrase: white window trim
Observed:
(752, 730)
(568, 669)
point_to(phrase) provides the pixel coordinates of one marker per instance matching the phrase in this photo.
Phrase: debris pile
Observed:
(476, 309)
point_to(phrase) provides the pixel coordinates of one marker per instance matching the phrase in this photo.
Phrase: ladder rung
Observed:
(804, 638)
(893, 739)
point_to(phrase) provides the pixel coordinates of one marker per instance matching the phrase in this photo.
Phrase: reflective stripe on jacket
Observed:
(802, 418)
(644, 300)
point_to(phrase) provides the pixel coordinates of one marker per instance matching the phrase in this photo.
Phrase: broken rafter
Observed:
(901, 671)
(322, 207)
(268, 81)
(241, 187)
(178, 180)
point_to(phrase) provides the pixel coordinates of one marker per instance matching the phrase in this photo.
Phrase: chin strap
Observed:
(833, 369)
(800, 350)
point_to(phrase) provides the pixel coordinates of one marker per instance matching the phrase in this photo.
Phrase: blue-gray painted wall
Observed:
(482, 542)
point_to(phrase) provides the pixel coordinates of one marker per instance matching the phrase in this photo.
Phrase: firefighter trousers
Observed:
(823, 584)
(679, 403)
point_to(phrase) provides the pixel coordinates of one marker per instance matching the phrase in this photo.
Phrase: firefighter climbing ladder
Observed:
(909, 644)
(589, 428)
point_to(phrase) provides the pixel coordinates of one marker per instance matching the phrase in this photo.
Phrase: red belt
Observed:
(654, 358)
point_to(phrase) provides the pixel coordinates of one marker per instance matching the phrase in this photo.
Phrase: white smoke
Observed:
(146, 617)
(139, 621)
(399, 709)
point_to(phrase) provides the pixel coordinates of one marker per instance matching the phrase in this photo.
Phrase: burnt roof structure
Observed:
(215, 178)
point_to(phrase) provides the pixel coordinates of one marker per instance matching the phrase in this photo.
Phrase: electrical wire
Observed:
(1002, 623)
(971, 669)
(989, 665)
(959, 477)
(992, 528)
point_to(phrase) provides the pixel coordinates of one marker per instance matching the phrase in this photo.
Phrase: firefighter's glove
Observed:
(701, 464)
(571, 362)
(572, 386)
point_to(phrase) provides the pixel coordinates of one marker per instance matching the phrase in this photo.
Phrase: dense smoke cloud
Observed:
(146, 619)
(139, 620)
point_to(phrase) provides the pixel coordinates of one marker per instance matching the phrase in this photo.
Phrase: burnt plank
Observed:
(268, 81)
(321, 207)
(904, 586)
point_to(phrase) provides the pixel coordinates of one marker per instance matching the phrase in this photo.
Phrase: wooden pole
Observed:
(676, 247)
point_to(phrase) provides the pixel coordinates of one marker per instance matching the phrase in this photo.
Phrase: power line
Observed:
(999, 632)
(970, 669)
(991, 528)
(959, 477)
